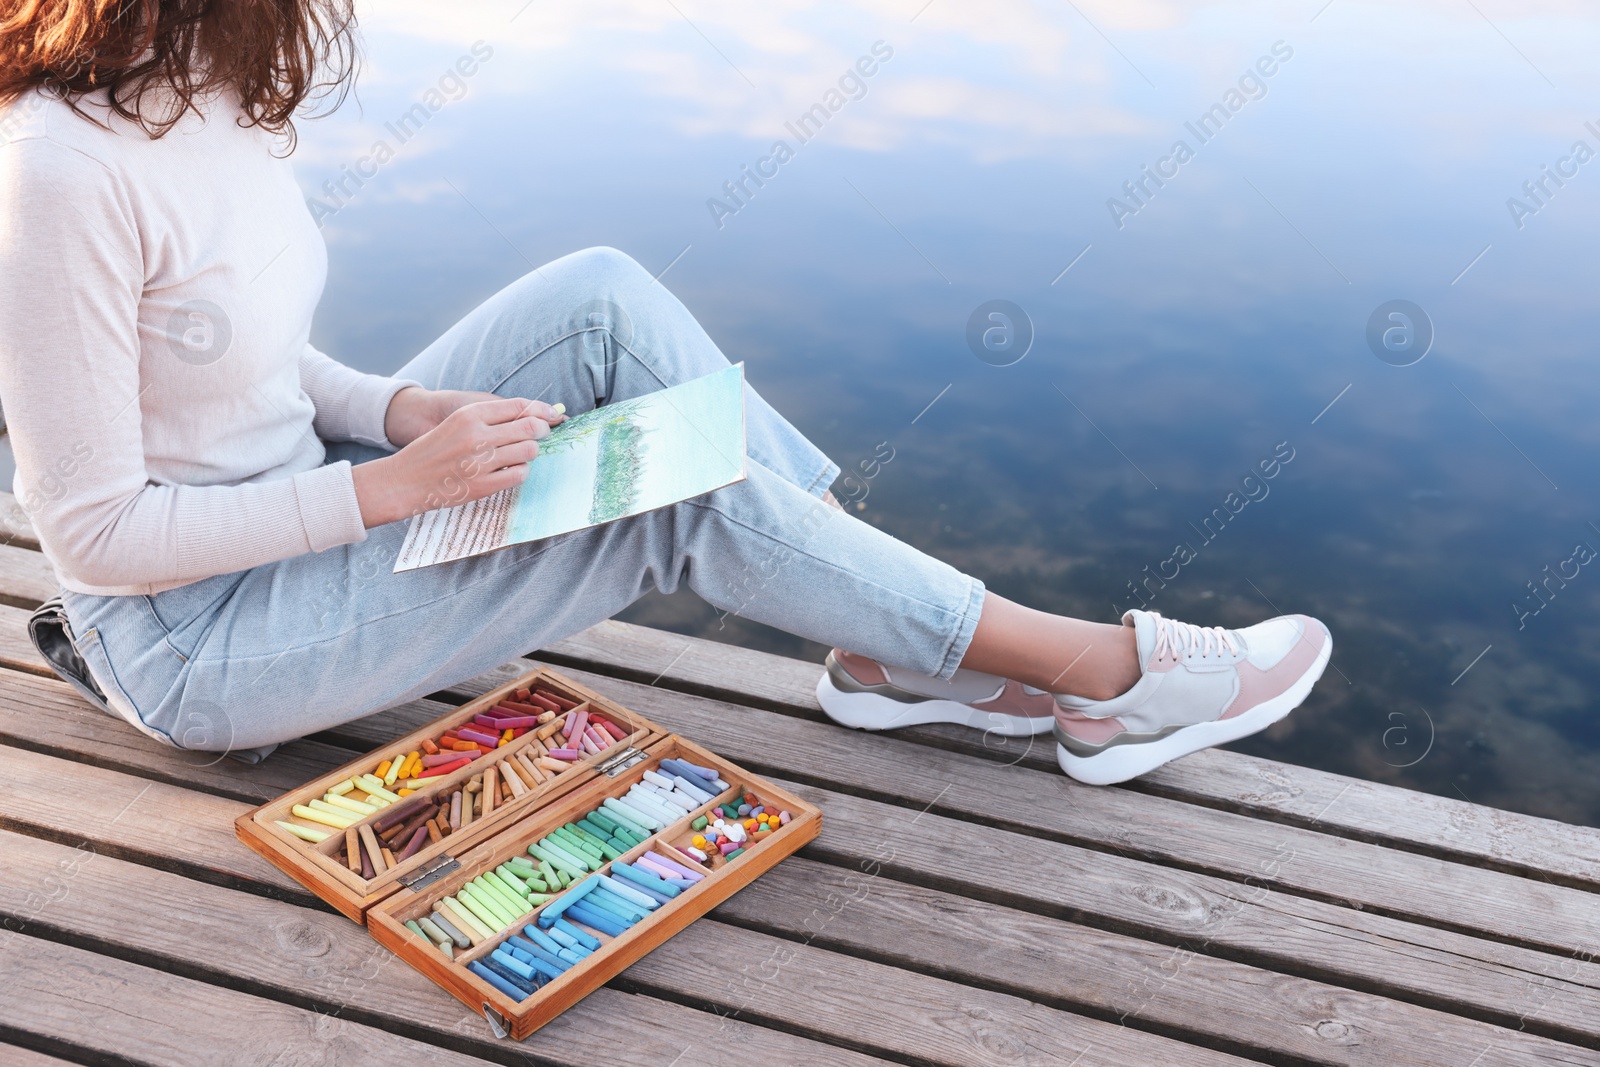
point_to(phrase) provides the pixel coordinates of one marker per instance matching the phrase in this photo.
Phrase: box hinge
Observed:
(628, 757)
(429, 872)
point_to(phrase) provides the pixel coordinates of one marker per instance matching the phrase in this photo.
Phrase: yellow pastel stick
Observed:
(392, 772)
(328, 809)
(383, 769)
(465, 922)
(343, 787)
(304, 833)
(300, 811)
(350, 805)
(375, 787)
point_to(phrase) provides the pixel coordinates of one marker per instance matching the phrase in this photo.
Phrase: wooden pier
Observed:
(965, 905)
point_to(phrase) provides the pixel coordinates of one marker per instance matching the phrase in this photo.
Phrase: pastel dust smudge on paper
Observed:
(622, 459)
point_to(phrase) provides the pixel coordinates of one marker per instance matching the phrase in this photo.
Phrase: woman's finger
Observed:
(522, 452)
(493, 412)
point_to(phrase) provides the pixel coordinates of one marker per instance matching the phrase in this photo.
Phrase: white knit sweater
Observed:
(166, 409)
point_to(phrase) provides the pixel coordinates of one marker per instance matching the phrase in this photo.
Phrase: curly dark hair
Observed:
(274, 54)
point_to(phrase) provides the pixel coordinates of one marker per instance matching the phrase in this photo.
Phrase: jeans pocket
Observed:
(93, 651)
(185, 613)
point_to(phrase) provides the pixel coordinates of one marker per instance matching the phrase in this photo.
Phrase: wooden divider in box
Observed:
(386, 921)
(322, 866)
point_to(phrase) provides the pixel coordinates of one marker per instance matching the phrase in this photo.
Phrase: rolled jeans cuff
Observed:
(956, 651)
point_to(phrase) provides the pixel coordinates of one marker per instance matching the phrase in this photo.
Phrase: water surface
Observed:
(1183, 333)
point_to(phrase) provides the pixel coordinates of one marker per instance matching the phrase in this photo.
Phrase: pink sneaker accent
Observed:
(1198, 687)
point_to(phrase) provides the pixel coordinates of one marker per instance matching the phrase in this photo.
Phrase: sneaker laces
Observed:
(1178, 638)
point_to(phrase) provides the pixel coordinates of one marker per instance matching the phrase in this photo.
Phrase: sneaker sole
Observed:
(1129, 761)
(872, 711)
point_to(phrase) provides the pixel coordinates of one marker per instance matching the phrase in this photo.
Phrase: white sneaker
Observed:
(1199, 687)
(864, 694)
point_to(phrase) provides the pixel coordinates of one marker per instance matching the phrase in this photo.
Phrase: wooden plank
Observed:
(1399, 818)
(12, 1056)
(1336, 869)
(1549, 995)
(335, 965)
(15, 529)
(48, 715)
(1324, 946)
(26, 579)
(328, 964)
(16, 650)
(115, 1010)
(1110, 975)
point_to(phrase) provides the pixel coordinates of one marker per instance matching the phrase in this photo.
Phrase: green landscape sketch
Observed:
(621, 459)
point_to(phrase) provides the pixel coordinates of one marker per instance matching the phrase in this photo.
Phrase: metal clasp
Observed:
(497, 1022)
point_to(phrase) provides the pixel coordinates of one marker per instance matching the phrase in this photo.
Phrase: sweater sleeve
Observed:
(350, 405)
(71, 276)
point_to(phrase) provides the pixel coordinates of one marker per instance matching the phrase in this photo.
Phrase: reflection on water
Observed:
(1196, 311)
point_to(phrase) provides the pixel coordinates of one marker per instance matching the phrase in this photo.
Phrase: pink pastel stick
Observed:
(568, 754)
(600, 740)
(575, 724)
(509, 722)
(587, 744)
(466, 733)
(439, 759)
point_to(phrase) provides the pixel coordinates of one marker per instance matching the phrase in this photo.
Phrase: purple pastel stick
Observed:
(467, 733)
(568, 754)
(676, 867)
(655, 867)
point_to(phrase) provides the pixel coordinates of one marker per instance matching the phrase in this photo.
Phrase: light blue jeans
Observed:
(241, 662)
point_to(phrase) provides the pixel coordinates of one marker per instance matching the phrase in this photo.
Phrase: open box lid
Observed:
(322, 867)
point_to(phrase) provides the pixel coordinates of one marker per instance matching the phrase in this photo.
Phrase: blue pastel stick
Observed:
(495, 980)
(574, 955)
(629, 893)
(658, 897)
(582, 937)
(644, 878)
(528, 948)
(607, 901)
(529, 962)
(540, 938)
(508, 959)
(553, 910)
(696, 792)
(596, 919)
(511, 976)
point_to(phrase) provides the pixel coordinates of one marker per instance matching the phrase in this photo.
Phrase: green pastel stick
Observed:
(487, 913)
(560, 864)
(606, 850)
(509, 896)
(567, 837)
(574, 859)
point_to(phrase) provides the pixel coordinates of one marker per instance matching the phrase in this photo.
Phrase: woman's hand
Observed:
(414, 411)
(474, 450)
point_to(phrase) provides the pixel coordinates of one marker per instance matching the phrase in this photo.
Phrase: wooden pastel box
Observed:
(540, 806)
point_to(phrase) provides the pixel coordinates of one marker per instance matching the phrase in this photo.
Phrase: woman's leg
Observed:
(260, 656)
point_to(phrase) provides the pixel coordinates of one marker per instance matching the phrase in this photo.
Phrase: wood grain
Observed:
(1400, 818)
(327, 964)
(1327, 867)
(1552, 995)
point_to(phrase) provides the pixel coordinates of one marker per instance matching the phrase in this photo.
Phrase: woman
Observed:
(222, 503)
